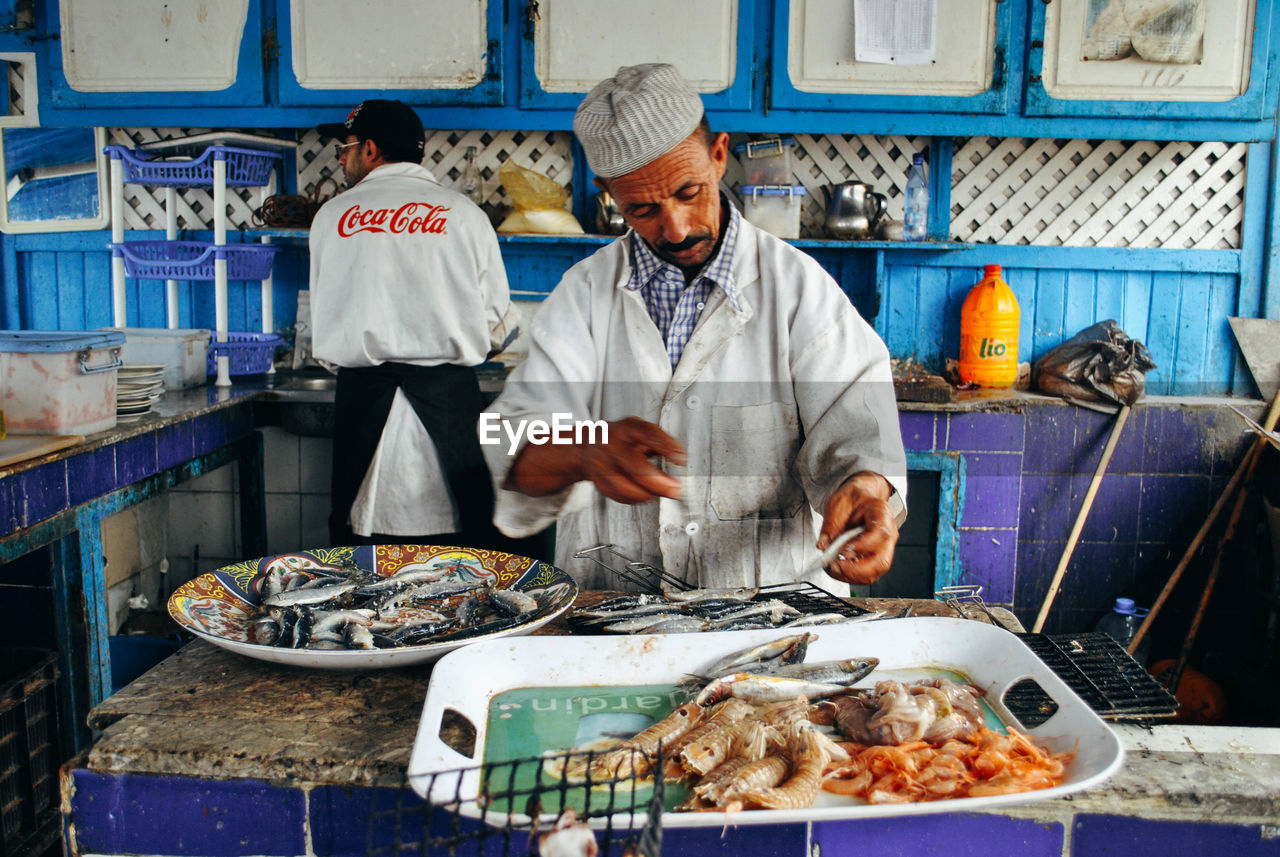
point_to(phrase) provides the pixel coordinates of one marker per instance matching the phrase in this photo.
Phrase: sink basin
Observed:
(306, 403)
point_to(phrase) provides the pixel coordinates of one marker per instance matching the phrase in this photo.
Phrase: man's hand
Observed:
(863, 500)
(620, 469)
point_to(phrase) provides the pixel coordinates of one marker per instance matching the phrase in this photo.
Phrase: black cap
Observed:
(391, 124)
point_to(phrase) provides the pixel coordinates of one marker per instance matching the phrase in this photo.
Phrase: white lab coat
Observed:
(405, 270)
(778, 402)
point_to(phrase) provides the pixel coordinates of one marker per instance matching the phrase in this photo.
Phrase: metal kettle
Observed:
(853, 210)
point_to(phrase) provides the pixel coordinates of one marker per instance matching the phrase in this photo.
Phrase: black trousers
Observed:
(448, 401)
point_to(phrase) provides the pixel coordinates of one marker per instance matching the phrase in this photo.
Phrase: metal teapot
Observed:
(853, 210)
(609, 220)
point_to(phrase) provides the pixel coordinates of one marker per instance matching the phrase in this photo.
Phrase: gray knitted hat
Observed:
(635, 117)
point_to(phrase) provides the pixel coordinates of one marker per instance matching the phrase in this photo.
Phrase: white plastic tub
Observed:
(182, 352)
(59, 381)
(774, 208)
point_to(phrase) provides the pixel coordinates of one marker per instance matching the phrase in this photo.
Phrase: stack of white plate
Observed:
(137, 386)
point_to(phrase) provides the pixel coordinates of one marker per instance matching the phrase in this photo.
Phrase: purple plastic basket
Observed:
(248, 353)
(245, 167)
(193, 260)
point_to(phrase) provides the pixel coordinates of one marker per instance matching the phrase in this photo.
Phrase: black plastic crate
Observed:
(29, 756)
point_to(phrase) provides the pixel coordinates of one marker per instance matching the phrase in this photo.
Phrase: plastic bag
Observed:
(1099, 364)
(1168, 31)
(538, 202)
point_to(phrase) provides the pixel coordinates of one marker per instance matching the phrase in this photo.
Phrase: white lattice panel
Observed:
(16, 99)
(817, 162)
(144, 206)
(1098, 193)
(547, 152)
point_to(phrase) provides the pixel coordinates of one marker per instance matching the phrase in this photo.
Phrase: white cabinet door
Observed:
(388, 44)
(1212, 65)
(145, 46)
(578, 43)
(820, 52)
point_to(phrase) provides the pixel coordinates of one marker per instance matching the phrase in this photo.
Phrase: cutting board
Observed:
(16, 448)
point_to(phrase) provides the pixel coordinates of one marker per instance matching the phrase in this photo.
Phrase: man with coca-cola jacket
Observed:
(408, 292)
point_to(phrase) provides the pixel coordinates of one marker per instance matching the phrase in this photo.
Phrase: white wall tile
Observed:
(314, 522)
(280, 459)
(315, 464)
(207, 519)
(283, 531)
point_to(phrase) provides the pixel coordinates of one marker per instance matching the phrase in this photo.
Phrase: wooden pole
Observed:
(1246, 466)
(1121, 418)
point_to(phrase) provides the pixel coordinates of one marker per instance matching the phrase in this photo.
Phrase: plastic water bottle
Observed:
(472, 184)
(915, 221)
(1122, 623)
(989, 322)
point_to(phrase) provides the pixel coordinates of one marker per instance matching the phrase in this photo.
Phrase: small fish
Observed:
(310, 597)
(846, 672)
(677, 625)
(787, 650)
(512, 602)
(395, 581)
(759, 689)
(358, 637)
(693, 595)
(638, 624)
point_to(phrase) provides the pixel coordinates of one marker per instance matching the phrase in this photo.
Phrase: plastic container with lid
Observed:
(774, 208)
(989, 332)
(766, 161)
(182, 352)
(1122, 623)
(59, 381)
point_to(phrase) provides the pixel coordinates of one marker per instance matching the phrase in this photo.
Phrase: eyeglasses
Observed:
(339, 148)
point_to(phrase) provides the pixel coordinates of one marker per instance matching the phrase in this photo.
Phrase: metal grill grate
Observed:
(505, 809)
(1101, 672)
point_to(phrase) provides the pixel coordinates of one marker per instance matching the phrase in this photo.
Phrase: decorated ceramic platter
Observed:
(370, 607)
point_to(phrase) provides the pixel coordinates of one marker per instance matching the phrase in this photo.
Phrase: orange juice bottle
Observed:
(989, 332)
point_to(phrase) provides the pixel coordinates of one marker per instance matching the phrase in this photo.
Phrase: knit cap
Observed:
(635, 117)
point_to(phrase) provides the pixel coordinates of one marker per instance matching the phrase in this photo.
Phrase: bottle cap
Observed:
(990, 269)
(917, 158)
(1125, 606)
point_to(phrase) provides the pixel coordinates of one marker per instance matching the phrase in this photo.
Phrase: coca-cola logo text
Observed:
(412, 217)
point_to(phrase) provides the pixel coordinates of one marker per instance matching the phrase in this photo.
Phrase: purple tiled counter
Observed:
(1014, 469)
(213, 753)
(55, 504)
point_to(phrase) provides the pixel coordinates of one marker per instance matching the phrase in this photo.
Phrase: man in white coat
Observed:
(748, 408)
(408, 292)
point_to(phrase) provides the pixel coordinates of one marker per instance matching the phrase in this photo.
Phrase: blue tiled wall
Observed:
(1024, 476)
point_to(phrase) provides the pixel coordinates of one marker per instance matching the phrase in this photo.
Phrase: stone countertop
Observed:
(209, 713)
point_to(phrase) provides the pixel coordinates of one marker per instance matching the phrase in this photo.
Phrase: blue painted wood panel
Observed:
(1178, 310)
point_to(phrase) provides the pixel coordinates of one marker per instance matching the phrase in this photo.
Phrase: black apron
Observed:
(448, 401)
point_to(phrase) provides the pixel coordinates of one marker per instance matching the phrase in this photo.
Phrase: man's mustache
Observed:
(691, 241)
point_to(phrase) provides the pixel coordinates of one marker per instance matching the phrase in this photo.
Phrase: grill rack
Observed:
(517, 802)
(1101, 672)
(804, 596)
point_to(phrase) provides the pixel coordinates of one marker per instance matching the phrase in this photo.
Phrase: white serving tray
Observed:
(466, 680)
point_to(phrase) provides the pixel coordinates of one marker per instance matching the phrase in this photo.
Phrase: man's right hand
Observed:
(620, 469)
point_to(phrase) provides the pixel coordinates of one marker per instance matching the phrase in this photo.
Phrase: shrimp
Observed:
(807, 757)
(751, 776)
(630, 758)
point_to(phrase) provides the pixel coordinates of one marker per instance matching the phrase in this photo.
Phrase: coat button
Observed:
(692, 528)
(693, 403)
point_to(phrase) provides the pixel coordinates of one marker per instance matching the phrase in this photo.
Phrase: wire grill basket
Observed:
(245, 167)
(1103, 674)
(802, 595)
(509, 809)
